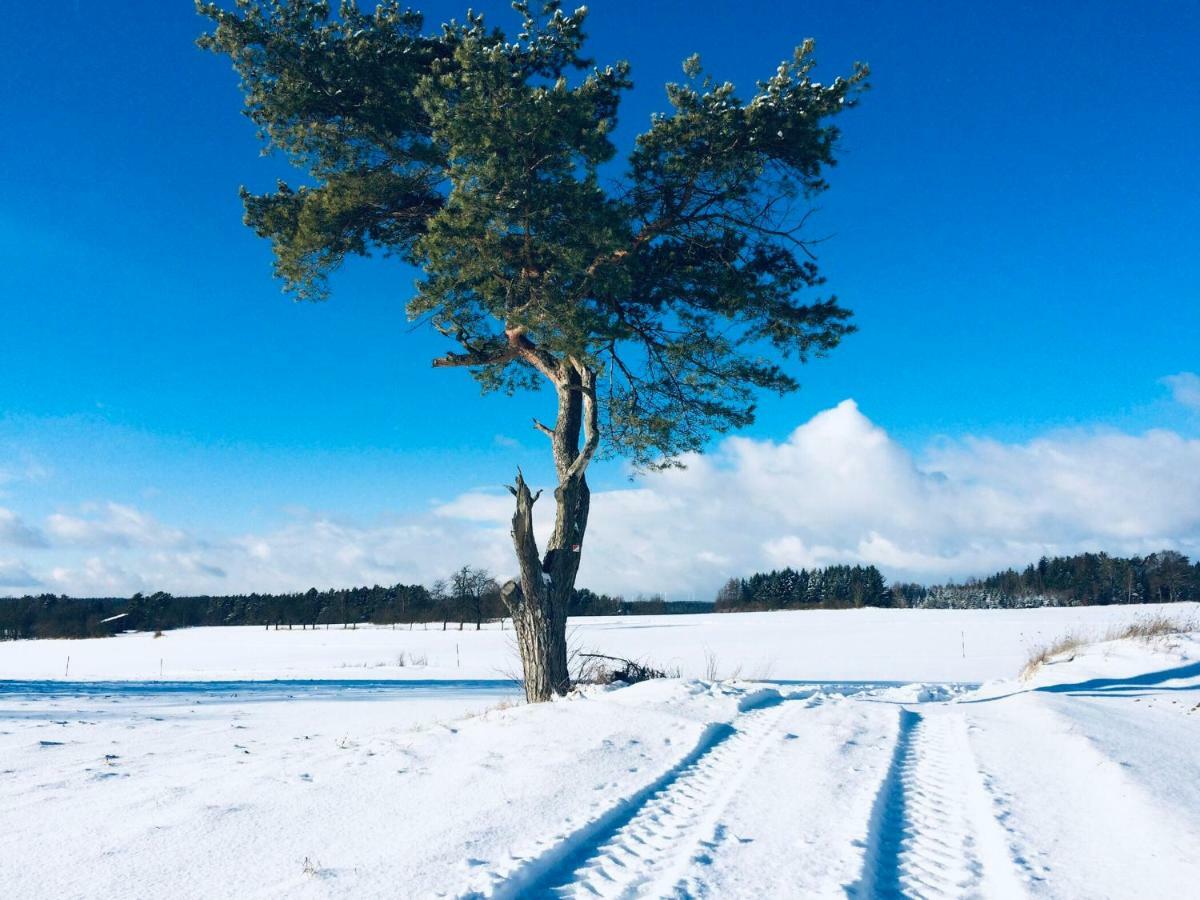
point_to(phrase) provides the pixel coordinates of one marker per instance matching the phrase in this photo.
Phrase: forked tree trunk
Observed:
(538, 603)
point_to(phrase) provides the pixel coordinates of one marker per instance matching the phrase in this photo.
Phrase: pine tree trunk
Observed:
(538, 604)
(538, 609)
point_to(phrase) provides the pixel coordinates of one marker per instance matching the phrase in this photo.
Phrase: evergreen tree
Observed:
(645, 307)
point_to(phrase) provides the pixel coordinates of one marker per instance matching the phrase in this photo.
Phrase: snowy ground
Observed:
(851, 645)
(1084, 782)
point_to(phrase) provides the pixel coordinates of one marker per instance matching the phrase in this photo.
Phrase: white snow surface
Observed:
(854, 645)
(1083, 781)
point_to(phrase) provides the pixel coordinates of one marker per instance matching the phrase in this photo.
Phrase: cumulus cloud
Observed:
(311, 550)
(1185, 389)
(97, 576)
(320, 550)
(115, 525)
(838, 489)
(16, 532)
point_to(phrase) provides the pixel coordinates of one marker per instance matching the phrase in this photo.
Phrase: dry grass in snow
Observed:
(1150, 627)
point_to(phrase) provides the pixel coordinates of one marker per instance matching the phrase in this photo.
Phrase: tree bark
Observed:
(531, 603)
(538, 603)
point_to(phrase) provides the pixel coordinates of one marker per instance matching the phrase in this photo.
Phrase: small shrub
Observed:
(596, 668)
(419, 659)
(158, 633)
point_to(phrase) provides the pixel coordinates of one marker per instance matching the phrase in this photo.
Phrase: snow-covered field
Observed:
(855, 645)
(1083, 782)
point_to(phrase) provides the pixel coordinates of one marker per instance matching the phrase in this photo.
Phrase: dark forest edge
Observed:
(1086, 579)
(471, 597)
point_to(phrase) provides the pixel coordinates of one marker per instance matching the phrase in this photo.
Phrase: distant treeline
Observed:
(1087, 579)
(471, 596)
(834, 587)
(468, 598)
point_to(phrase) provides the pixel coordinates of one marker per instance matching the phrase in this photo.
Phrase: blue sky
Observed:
(1013, 222)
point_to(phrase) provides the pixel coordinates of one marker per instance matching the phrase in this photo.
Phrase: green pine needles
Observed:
(678, 280)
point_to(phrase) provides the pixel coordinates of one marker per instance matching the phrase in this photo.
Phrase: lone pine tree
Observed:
(653, 297)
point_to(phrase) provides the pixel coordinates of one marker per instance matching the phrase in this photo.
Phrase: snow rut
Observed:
(644, 847)
(932, 835)
(649, 855)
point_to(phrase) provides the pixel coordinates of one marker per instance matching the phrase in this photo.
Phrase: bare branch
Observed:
(516, 346)
(476, 358)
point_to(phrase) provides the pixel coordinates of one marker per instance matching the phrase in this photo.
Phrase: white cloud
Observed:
(116, 525)
(14, 574)
(838, 489)
(320, 550)
(477, 506)
(15, 531)
(1185, 388)
(97, 576)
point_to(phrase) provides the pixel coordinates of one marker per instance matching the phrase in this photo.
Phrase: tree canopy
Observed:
(667, 287)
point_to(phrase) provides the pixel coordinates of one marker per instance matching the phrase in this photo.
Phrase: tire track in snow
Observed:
(645, 844)
(650, 854)
(932, 834)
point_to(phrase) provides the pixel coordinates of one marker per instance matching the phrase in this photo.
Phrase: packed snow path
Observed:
(933, 834)
(933, 828)
(767, 804)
